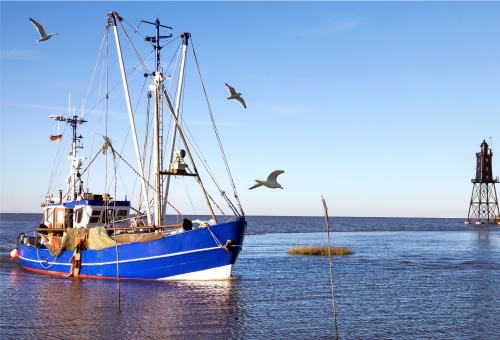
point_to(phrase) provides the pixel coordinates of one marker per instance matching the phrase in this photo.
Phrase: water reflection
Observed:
(397, 285)
(85, 309)
(483, 237)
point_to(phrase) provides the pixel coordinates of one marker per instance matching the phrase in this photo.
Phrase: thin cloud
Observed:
(58, 109)
(55, 108)
(19, 54)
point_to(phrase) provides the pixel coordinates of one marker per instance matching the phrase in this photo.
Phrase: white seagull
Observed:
(43, 35)
(271, 181)
(235, 95)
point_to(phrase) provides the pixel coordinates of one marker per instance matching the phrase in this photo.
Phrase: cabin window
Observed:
(487, 159)
(59, 218)
(108, 216)
(79, 215)
(48, 216)
(95, 216)
(121, 213)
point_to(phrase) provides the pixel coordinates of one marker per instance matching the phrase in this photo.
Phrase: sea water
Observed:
(408, 279)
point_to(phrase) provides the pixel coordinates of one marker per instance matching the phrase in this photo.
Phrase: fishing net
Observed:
(56, 244)
(99, 239)
(95, 238)
(146, 237)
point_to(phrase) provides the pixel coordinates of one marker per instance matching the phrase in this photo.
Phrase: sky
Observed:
(378, 106)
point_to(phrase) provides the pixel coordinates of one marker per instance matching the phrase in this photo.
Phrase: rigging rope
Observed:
(167, 99)
(169, 104)
(222, 212)
(189, 196)
(216, 132)
(71, 187)
(114, 229)
(106, 36)
(54, 166)
(93, 73)
(128, 132)
(152, 187)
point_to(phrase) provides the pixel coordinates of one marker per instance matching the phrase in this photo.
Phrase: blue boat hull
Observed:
(194, 254)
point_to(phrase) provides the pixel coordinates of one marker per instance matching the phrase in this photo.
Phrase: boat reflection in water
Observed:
(85, 308)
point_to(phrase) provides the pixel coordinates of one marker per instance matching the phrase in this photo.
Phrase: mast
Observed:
(74, 180)
(185, 38)
(159, 207)
(158, 124)
(112, 21)
(158, 131)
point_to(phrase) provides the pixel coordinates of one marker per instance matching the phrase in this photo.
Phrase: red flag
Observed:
(57, 138)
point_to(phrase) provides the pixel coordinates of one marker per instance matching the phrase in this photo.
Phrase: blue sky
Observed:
(378, 106)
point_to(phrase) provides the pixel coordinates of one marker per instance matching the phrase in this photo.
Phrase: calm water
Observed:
(408, 279)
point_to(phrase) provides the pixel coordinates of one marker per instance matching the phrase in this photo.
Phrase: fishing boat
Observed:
(88, 235)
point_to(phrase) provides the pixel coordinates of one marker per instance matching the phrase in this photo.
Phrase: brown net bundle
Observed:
(146, 237)
(69, 241)
(93, 238)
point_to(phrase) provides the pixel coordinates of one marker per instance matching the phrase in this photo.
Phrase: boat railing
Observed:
(138, 228)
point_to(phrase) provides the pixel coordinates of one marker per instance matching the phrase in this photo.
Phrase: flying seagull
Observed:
(235, 95)
(43, 35)
(271, 181)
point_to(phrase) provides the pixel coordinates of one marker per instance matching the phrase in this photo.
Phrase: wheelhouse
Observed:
(87, 213)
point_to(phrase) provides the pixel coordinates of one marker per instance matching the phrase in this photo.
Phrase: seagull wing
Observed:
(39, 28)
(255, 186)
(231, 89)
(242, 102)
(274, 175)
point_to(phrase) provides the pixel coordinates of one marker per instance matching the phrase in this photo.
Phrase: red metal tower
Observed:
(484, 202)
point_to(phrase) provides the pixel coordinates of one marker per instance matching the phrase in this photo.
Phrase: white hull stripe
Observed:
(45, 262)
(126, 261)
(217, 273)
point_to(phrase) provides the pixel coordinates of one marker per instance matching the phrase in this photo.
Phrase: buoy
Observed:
(14, 254)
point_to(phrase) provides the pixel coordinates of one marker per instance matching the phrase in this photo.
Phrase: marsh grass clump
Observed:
(319, 250)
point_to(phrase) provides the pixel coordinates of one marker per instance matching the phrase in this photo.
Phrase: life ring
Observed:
(20, 239)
